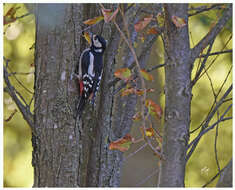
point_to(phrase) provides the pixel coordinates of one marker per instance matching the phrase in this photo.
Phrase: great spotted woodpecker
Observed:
(89, 71)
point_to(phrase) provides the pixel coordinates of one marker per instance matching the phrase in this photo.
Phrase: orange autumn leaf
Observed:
(140, 25)
(152, 31)
(146, 75)
(93, 20)
(179, 22)
(137, 116)
(154, 109)
(122, 144)
(128, 91)
(87, 37)
(140, 92)
(123, 73)
(109, 15)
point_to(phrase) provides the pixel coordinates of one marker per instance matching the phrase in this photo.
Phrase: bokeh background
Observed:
(18, 44)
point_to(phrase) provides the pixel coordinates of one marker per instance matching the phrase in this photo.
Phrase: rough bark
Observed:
(226, 177)
(71, 152)
(177, 98)
(56, 144)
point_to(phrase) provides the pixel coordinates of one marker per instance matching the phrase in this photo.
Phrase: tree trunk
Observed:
(56, 150)
(68, 151)
(177, 98)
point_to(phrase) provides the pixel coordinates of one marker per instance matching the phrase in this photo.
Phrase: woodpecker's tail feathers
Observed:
(80, 106)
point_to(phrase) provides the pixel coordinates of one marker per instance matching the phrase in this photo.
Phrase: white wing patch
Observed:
(91, 66)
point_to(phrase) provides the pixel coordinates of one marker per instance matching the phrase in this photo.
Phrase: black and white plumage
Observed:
(89, 71)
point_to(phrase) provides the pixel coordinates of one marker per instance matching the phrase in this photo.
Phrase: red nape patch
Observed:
(81, 87)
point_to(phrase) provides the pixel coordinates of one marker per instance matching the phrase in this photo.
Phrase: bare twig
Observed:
(211, 35)
(11, 116)
(213, 61)
(20, 82)
(22, 16)
(203, 9)
(147, 178)
(20, 73)
(133, 153)
(202, 65)
(226, 78)
(205, 130)
(217, 53)
(28, 116)
(217, 126)
(214, 177)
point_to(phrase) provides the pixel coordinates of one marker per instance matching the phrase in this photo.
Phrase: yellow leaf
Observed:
(149, 132)
(87, 37)
(146, 75)
(93, 20)
(160, 19)
(123, 73)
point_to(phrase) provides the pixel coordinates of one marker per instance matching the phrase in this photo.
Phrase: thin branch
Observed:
(205, 130)
(20, 73)
(217, 53)
(214, 101)
(22, 16)
(11, 116)
(217, 126)
(147, 178)
(20, 82)
(213, 178)
(203, 9)
(133, 153)
(213, 61)
(211, 35)
(210, 116)
(28, 116)
(202, 65)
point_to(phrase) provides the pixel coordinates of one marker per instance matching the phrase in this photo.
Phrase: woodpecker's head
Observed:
(98, 43)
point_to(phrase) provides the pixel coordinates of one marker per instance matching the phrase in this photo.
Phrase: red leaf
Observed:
(154, 109)
(108, 15)
(143, 23)
(179, 22)
(122, 144)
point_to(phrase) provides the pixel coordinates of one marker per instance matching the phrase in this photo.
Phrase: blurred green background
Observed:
(19, 39)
